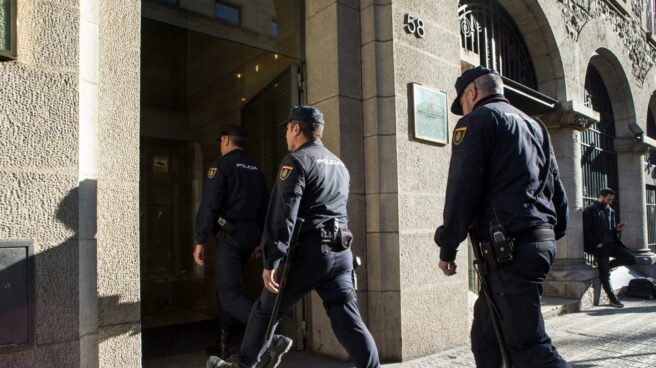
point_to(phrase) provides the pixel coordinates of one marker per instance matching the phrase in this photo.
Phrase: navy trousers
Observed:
(233, 251)
(331, 276)
(516, 290)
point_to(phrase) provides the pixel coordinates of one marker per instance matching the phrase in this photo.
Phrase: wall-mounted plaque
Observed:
(430, 114)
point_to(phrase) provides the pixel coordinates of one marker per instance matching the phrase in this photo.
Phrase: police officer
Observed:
(499, 159)
(233, 207)
(312, 184)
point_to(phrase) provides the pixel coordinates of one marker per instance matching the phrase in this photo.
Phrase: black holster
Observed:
(335, 238)
(226, 225)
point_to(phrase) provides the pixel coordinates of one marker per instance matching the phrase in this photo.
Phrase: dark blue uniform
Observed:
(235, 190)
(312, 184)
(498, 162)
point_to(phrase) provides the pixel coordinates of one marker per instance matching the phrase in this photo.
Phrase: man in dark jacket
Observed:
(500, 159)
(232, 207)
(601, 239)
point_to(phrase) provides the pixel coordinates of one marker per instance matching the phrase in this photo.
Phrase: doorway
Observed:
(201, 70)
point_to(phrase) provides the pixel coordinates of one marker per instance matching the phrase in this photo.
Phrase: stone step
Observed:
(555, 306)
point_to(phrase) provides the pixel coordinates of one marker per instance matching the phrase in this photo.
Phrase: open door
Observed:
(266, 145)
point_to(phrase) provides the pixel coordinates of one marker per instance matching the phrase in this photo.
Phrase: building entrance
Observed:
(200, 71)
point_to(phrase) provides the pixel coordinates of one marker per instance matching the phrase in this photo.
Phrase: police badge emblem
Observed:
(459, 135)
(211, 172)
(285, 170)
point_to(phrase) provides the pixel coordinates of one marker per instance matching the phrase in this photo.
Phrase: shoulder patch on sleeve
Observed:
(459, 135)
(211, 172)
(285, 170)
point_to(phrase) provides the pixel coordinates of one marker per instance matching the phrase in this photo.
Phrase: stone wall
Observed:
(119, 59)
(39, 170)
(434, 309)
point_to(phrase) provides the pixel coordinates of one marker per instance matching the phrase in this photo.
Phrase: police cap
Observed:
(232, 130)
(463, 81)
(305, 114)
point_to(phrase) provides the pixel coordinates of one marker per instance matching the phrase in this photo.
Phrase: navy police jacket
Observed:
(235, 189)
(312, 184)
(497, 163)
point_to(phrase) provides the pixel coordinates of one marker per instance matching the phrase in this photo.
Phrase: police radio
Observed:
(503, 246)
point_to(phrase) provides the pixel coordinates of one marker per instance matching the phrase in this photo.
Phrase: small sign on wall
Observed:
(429, 114)
(8, 29)
(160, 164)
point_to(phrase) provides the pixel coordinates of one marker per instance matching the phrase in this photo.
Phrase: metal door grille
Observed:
(651, 217)
(651, 133)
(598, 156)
(488, 30)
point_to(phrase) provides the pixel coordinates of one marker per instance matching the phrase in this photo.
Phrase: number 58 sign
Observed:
(414, 26)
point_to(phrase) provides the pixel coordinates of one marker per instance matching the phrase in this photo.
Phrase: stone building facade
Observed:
(75, 121)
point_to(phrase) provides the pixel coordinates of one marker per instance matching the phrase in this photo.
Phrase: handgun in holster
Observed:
(334, 238)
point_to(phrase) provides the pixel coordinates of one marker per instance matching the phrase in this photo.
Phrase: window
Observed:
(651, 133)
(7, 29)
(651, 16)
(228, 13)
(274, 28)
(486, 29)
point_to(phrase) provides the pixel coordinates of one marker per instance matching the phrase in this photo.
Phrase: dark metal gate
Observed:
(488, 30)
(651, 217)
(598, 156)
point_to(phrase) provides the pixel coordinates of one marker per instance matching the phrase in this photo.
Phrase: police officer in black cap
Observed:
(312, 184)
(500, 158)
(232, 207)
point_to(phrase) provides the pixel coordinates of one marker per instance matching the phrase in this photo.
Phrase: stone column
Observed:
(118, 271)
(570, 276)
(334, 86)
(633, 212)
(381, 184)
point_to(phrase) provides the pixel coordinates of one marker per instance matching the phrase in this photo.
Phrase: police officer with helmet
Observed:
(504, 184)
(233, 206)
(312, 184)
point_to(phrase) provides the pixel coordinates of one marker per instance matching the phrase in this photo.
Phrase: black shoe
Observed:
(614, 302)
(216, 362)
(273, 356)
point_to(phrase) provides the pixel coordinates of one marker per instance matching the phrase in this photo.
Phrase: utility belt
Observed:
(229, 226)
(500, 250)
(334, 236)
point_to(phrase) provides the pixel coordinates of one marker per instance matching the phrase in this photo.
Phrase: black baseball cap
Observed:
(463, 81)
(306, 114)
(232, 130)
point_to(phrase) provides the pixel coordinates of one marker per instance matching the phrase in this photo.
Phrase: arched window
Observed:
(598, 156)
(651, 133)
(488, 30)
(651, 189)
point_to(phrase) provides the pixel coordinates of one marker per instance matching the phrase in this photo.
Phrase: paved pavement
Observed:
(602, 337)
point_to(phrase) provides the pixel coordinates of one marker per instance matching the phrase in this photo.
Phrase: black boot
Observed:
(224, 342)
(280, 345)
(615, 301)
(216, 362)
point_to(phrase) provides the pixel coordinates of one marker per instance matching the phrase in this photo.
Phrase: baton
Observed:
(285, 272)
(481, 271)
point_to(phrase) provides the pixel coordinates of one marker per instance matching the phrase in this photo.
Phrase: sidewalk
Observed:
(602, 337)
